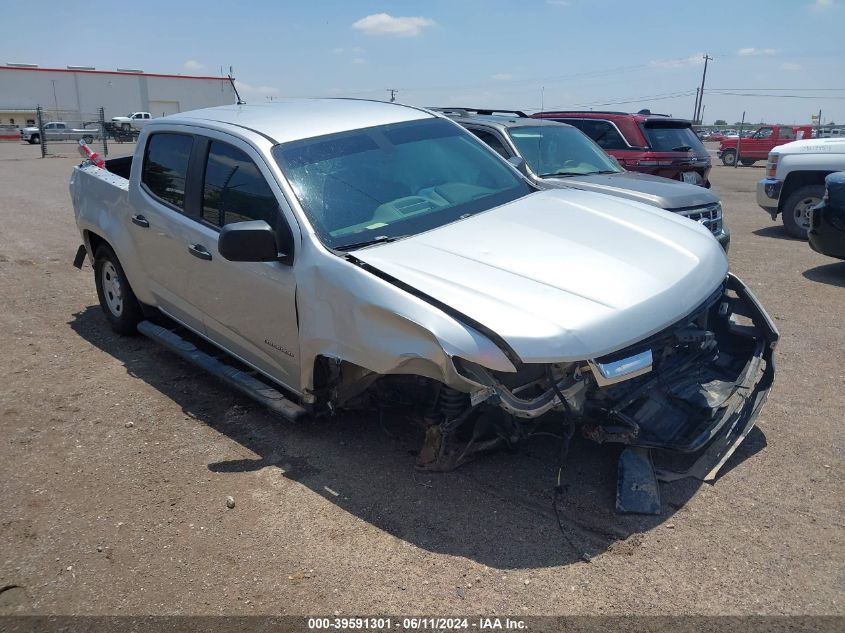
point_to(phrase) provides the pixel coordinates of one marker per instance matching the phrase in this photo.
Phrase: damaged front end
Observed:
(688, 395)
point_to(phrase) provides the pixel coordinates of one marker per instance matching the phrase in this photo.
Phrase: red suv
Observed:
(649, 143)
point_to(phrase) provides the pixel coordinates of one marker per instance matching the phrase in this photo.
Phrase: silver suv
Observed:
(559, 155)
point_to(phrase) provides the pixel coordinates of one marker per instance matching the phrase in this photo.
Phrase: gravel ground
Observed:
(118, 460)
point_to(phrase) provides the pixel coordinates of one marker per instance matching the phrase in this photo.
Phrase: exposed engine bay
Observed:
(689, 394)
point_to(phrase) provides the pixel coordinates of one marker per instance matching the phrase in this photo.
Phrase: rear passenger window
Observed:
(165, 167)
(234, 190)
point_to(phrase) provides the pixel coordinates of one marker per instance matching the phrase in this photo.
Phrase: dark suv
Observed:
(648, 143)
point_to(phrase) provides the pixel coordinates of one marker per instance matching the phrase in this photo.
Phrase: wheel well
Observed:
(797, 179)
(95, 241)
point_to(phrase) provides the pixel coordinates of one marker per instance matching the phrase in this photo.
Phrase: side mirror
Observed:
(252, 241)
(519, 163)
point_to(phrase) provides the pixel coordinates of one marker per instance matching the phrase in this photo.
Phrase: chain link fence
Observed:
(58, 132)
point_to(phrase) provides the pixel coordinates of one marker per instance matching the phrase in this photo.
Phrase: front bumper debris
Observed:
(686, 397)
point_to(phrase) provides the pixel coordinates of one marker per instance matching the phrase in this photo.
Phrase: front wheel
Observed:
(729, 158)
(88, 139)
(34, 139)
(117, 300)
(747, 162)
(125, 127)
(796, 209)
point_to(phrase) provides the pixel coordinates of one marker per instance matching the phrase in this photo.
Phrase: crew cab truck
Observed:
(757, 146)
(59, 131)
(794, 182)
(356, 255)
(132, 121)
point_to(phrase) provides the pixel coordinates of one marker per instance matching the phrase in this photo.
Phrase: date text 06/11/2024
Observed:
(414, 624)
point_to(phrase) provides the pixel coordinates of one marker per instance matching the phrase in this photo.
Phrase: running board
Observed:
(250, 386)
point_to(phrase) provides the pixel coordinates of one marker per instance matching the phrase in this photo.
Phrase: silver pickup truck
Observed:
(59, 131)
(352, 254)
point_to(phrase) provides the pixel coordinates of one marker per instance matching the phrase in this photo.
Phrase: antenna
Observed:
(232, 81)
(392, 92)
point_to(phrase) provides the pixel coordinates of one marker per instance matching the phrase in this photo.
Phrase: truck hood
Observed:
(121, 119)
(653, 190)
(562, 275)
(813, 146)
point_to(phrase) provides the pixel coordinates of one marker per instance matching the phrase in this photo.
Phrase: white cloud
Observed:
(790, 66)
(558, 3)
(502, 77)
(193, 64)
(357, 49)
(822, 5)
(249, 90)
(753, 52)
(359, 60)
(384, 24)
(692, 60)
(337, 51)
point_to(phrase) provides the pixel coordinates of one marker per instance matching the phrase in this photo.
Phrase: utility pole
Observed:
(392, 92)
(707, 58)
(695, 107)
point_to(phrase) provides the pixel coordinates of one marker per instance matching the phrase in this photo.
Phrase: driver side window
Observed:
(763, 132)
(234, 190)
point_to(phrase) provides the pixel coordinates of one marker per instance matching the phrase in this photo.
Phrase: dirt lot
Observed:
(117, 459)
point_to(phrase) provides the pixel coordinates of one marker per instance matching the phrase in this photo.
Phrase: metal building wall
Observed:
(118, 93)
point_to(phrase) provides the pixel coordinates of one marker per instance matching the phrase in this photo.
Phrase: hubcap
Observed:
(802, 211)
(111, 289)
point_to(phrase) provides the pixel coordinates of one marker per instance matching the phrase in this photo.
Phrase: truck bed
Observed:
(101, 197)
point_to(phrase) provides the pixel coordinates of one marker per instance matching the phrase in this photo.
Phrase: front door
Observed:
(248, 308)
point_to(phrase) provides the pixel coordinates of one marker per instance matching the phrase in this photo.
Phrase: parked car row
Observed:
(358, 255)
(61, 131)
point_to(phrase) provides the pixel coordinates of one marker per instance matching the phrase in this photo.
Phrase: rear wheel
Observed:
(796, 209)
(117, 300)
(729, 158)
(88, 139)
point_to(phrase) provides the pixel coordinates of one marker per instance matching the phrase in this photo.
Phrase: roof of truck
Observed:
(286, 120)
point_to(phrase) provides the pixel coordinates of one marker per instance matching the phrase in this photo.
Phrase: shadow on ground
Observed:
(777, 231)
(497, 510)
(832, 274)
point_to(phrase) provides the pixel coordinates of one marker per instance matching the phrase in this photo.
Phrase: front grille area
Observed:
(710, 216)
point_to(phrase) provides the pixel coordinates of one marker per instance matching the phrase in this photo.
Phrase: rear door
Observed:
(161, 227)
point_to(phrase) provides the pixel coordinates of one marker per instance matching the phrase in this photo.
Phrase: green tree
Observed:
(720, 122)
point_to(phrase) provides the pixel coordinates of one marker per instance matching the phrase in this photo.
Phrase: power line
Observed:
(764, 94)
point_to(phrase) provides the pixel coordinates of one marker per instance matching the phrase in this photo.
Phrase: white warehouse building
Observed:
(61, 92)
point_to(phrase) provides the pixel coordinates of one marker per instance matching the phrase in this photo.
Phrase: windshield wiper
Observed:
(379, 239)
(681, 148)
(561, 173)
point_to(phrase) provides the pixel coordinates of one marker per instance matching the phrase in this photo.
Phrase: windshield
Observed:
(395, 180)
(672, 138)
(560, 150)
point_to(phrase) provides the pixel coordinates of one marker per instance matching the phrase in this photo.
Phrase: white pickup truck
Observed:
(59, 131)
(351, 254)
(794, 182)
(132, 121)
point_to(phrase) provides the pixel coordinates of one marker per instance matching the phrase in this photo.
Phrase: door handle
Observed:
(141, 221)
(198, 250)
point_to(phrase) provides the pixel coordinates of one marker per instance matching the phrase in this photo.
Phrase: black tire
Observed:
(796, 216)
(729, 158)
(747, 161)
(88, 139)
(122, 310)
(34, 139)
(125, 127)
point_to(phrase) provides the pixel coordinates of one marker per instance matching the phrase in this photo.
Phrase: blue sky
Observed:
(516, 54)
